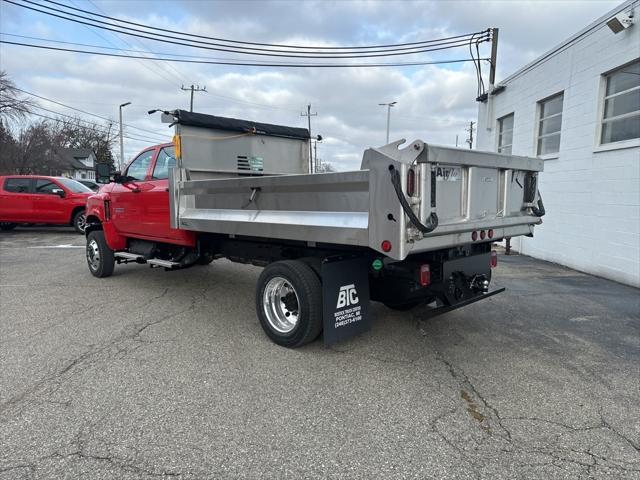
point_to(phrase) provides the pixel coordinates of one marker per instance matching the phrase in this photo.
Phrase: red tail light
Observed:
(386, 246)
(490, 233)
(425, 275)
(474, 235)
(494, 259)
(411, 182)
(482, 234)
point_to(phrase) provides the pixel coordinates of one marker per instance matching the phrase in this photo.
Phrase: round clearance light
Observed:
(386, 246)
(377, 264)
(474, 235)
(482, 234)
(490, 233)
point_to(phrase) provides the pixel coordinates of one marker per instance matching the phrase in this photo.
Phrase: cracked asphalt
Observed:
(152, 374)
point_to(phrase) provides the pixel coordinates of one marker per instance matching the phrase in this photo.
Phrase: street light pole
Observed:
(121, 142)
(388, 105)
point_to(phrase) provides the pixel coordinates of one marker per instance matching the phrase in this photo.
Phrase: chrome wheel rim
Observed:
(281, 305)
(81, 222)
(93, 255)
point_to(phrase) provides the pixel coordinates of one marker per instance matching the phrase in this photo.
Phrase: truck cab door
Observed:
(49, 204)
(129, 196)
(157, 203)
(16, 202)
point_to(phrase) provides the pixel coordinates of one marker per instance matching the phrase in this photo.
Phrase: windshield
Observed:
(75, 187)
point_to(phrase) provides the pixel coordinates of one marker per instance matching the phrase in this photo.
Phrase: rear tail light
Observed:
(411, 182)
(474, 235)
(386, 246)
(490, 233)
(482, 234)
(425, 275)
(494, 259)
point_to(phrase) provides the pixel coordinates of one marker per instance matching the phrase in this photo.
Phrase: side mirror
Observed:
(103, 173)
(58, 191)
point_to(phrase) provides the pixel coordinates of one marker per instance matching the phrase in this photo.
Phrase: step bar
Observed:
(153, 262)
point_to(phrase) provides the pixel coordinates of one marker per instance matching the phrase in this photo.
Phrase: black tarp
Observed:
(235, 125)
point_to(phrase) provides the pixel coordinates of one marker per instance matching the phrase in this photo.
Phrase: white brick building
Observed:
(578, 107)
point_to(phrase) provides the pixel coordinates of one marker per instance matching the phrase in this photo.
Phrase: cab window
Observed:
(17, 185)
(138, 168)
(46, 186)
(164, 162)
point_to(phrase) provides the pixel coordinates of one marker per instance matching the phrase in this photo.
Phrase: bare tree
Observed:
(12, 105)
(27, 153)
(37, 147)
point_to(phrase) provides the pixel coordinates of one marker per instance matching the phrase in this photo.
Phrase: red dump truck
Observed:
(412, 226)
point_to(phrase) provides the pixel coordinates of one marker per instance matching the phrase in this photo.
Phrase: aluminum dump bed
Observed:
(413, 199)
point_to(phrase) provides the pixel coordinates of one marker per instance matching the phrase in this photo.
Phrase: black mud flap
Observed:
(345, 292)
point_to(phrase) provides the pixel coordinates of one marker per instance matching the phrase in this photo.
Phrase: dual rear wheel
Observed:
(289, 303)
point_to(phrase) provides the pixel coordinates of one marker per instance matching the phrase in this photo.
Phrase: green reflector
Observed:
(377, 264)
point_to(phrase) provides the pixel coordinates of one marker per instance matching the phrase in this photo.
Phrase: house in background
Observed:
(578, 108)
(78, 163)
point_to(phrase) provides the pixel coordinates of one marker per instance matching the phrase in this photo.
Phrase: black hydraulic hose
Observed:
(539, 210)
(432, 222)
(530, 195)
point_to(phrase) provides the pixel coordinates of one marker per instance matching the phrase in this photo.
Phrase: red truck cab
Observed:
(136, 206)
(44, 200)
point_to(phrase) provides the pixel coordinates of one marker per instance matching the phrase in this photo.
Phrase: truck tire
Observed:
(100, 257)
(289, 303)
(6, 226)
(79, 221)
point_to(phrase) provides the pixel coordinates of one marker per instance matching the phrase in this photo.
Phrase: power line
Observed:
(96, 126)
(83, 111)
(200, 57)
(158, 65)
(435, 45)
(237, 41)
(249, 64)
(97, 33)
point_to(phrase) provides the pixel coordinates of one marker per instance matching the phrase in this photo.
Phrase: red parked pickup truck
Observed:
(39, 199)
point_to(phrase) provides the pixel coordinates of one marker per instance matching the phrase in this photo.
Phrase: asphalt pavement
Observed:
(153, 374)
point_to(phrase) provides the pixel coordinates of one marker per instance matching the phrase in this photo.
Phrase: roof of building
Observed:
(72, 156)
(596, 25)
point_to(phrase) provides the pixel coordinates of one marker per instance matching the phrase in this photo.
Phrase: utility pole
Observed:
(121, 142)
(494, 55)
(308, 114)
(470, 130)
(315, 156)
(388, 105)
(193, 89)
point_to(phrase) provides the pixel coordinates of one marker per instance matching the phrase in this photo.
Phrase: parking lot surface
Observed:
(152, 374)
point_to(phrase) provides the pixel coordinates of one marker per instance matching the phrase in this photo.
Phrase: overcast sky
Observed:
(435, 102)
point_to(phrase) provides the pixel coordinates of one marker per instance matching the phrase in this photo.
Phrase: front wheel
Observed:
(289, 303)
(99, 256)
(6, 226)
(79, 221)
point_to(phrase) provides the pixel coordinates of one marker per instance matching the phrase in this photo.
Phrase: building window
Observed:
(621, 112)
(550, 124)
(505, 134)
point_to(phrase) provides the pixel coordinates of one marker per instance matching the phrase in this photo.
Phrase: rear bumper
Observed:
(440, 309)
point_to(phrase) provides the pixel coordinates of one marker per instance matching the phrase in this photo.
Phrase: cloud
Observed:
(435, 103)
